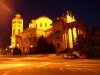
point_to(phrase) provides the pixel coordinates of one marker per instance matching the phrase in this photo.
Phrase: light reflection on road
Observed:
(14, 65)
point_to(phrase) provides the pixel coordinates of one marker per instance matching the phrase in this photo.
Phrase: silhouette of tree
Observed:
(90, 44)
(17, 51)
(42, 45)
(51, 48)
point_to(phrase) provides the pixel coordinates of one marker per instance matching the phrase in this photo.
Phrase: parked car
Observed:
(70, 56)
(82, 56)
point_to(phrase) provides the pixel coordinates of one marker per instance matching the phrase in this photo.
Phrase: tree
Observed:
(42, 45)
(51, 48)
(80, 45)
(90, 44)
(31, 51)
(17, 51)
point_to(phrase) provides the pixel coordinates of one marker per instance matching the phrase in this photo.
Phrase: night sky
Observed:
(87, 11)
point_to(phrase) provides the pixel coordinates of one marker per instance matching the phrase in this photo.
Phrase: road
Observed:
(46, 66)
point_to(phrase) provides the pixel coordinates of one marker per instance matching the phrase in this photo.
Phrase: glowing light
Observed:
(70, 38)
(74, 34)
(70, 18)
(31, 46)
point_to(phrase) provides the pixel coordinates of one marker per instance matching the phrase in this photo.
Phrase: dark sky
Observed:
(87, 11)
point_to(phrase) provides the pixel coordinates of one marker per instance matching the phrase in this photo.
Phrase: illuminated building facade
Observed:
(62, 32)
(17, 28)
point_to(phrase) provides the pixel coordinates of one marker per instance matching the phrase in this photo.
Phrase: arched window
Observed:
(58, 45)
(36, 25)
(57, 31)
(40, 24)
(30, 26)
(18, 31)
(45, 24)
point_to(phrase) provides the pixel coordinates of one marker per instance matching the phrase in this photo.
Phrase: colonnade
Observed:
(69, 37)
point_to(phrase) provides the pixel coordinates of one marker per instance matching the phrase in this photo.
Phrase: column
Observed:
(70, 38)
(65, 41)
(74, 34)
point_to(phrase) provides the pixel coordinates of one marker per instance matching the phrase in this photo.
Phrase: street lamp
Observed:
(6, 49)
(31, 46)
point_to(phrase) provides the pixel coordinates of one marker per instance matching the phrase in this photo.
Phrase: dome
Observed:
(44, 18)
(32, 21)
(18, 15)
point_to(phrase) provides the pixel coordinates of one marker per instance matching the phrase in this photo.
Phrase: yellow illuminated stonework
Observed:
(70, 38)
(70, 17)
(17, 28)
(42, 23)
(74, 34)
(62, 32)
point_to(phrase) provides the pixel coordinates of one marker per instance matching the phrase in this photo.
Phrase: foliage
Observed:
(2, 51)
(6, 51)
(33, 50)
(42, 47)
(17, 51)
(51, 48)
(90, 44)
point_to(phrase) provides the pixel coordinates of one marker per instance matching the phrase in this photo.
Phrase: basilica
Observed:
(62, 32)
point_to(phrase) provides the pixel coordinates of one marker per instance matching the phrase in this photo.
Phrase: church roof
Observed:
(76, 24)
(28, 29)
(43, 17)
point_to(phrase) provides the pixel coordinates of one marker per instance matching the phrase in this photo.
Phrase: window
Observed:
(36, 25)
(45, 24)
(18, 31)
(58, 45)
(18, 21)
(30, 26)
(40, 24)
(57, 31)
(57, 37)
(14, 22)
(27, 47)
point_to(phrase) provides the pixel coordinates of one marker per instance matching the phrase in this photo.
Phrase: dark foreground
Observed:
(48, 66)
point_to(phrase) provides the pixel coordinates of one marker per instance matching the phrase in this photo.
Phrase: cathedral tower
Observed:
(17, 28)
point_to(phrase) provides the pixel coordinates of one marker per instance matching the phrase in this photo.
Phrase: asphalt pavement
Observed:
(49, 66)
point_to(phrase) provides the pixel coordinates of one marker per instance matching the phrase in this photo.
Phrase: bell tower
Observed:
(17, 28)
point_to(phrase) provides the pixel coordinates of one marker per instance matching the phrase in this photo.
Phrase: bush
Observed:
(17, 51)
